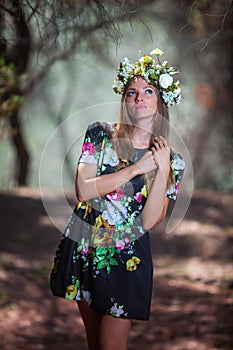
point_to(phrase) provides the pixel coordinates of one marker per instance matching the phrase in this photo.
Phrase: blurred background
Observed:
(58, 60)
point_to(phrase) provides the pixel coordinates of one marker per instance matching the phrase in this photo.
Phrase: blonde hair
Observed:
(122, 138)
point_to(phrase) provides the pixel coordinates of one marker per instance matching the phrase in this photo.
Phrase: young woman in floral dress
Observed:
(125, 177)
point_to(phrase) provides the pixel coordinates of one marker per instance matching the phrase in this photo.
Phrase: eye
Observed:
(130, 93)
(149, 91)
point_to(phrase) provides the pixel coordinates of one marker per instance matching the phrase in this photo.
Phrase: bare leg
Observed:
(92, 322)
(114, 333)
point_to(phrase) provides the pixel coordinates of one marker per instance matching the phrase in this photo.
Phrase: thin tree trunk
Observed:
(19, 55)
(22, 157)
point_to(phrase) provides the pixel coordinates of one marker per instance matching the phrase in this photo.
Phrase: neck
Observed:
(141, 136)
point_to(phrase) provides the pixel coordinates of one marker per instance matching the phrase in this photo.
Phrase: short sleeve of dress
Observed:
(178, 165)
(92, 144)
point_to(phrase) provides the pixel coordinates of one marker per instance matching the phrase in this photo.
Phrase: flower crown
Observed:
(154, 72)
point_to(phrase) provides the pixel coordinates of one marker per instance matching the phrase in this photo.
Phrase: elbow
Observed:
(81, 196)
(84, 195)
(148, 225)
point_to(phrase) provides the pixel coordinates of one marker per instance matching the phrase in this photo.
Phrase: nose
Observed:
(138, 97)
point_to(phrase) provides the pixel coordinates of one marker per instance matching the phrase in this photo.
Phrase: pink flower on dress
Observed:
(117, 194)
(85, 248)
(138, 197)
(177, 186)
(120, 244)
(89, 147)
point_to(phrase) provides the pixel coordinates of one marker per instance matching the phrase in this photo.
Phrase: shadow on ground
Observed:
(192, 296)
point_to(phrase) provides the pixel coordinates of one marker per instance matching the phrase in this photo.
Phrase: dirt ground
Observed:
(192, 306)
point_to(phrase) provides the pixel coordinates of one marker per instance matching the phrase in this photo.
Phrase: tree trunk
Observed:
(22, 157)
(19, 56)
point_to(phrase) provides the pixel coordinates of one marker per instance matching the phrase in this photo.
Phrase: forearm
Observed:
(156, 204)
(93, 187)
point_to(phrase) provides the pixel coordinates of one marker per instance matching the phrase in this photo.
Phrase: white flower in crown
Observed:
(165, 80)
(157, 52)
(177, 92)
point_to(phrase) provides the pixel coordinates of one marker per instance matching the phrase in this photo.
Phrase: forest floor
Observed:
(192, 305)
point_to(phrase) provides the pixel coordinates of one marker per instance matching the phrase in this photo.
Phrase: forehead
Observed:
(138, 83)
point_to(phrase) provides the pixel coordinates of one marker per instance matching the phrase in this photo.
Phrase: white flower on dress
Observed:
(86, 295)
(115, 214)
(171, 190)
(88, 158)
(165, 80)
(110, 157)
(178, 163)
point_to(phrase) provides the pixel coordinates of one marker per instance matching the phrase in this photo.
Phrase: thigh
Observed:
(92, 322)
(114, 333)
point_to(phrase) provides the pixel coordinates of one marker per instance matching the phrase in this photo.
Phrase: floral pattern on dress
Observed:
(178, 165)
(75, 291)
(117, 310)
(110, 156)
(131, 264)
(113, 245)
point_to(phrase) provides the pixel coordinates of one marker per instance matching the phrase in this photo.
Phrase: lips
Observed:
(140, 107)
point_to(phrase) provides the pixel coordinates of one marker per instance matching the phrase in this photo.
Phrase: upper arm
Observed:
(161, 216)
(164, 212)
(84, 172)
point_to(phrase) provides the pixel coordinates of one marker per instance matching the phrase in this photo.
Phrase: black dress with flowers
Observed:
(111, 268)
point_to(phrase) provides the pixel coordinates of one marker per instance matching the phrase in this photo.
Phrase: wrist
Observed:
(135, 170)
(164, 171)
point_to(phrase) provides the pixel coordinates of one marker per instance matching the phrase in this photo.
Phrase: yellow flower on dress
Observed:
(132, 263)
(54, 266)
(105, 239)
(135, 259)
(144, 191)
(71, 292)
(101, 222)
(86, 206)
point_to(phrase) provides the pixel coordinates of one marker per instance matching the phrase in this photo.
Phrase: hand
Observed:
(161, 154)
(147, 163)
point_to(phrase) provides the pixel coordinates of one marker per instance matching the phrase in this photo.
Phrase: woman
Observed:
(125, 177)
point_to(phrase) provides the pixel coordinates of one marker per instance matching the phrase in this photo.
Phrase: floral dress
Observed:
(104, 258)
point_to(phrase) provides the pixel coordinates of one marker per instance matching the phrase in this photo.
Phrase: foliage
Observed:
(35, 35)
(9, 97)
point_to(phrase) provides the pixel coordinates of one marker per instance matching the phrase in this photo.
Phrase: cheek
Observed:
(129, 105)
(153, 102)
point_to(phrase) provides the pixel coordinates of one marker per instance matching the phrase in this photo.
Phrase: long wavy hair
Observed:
(124, 131)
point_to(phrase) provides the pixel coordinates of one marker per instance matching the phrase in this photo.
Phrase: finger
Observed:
(159, 142)
(153, 150)
(156, 146)
(163, 140)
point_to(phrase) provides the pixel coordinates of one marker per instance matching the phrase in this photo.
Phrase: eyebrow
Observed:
(148, 86)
